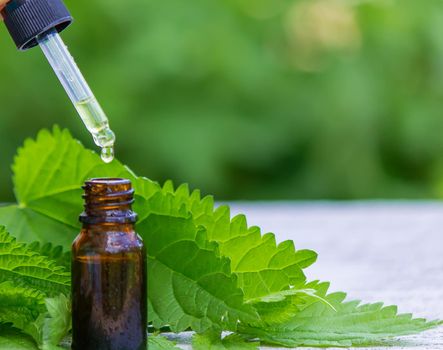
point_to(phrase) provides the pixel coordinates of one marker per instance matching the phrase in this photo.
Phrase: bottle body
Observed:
(109, 299)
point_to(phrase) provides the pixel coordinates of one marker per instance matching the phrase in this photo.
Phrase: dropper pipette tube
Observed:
(78, 91)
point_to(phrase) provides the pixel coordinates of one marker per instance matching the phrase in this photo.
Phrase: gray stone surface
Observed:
(375, 251)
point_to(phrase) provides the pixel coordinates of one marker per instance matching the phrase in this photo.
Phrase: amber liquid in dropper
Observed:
(108, 272)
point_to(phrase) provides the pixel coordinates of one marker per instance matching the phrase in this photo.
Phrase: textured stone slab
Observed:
(375, 251)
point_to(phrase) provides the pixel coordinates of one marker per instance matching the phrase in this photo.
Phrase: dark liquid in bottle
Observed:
(110, 299)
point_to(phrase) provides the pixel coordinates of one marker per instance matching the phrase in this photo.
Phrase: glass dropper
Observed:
(38, 22)
(78, 91)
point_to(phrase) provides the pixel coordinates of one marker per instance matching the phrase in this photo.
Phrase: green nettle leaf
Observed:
(25, 267)
(207, 272)
(20, 306)
(188, 285)
(48, 173)
(348, 324)
(13, 339)
(28, 278)
(57, 254)
(263, 267)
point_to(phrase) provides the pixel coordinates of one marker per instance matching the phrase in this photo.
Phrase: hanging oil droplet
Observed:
(107, 154)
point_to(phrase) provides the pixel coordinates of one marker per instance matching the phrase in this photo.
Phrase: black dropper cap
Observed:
(27, 19)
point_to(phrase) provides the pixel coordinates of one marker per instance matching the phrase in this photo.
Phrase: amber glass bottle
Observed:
(108, 271)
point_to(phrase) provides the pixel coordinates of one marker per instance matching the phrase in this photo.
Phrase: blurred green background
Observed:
(250, 99)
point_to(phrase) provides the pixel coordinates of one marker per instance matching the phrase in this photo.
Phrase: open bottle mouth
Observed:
(109, 181)
(108, 200)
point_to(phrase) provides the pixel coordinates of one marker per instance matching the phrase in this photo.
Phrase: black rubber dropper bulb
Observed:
(27, 19)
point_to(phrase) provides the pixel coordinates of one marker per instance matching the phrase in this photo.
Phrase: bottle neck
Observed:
(108, 202)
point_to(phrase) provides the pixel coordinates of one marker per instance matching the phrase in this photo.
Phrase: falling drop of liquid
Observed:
(107, 154)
